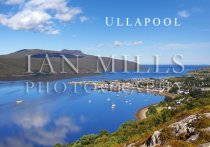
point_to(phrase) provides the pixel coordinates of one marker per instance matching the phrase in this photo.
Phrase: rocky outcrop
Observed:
(205, 145)
(154, 139)
(177, 128)
(182, 127)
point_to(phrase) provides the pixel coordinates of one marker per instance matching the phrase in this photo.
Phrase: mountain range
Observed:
(13, 66)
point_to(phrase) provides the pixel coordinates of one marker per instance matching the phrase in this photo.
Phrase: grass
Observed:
(160, 108)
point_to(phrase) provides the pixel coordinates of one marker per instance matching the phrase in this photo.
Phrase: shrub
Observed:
(122, 139)
(204, 122)
(166, 135)
(174, 89)
(204, 137)
(152, 110)
(88, 139)
(179, 143)
(103, 133)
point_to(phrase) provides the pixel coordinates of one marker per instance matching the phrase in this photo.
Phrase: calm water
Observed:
(44, 119)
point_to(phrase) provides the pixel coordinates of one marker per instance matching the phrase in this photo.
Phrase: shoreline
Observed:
(165, 94)
(46, 78)
(141, 113)
(142, 90)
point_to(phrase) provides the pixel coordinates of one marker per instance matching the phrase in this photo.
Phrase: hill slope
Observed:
(14, 65)
(185, 124)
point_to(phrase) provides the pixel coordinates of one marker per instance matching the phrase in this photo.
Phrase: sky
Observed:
(81, 25)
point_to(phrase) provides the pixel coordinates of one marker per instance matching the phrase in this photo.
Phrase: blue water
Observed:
(44, 119)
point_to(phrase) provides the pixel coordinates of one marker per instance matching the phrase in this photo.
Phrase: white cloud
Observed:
(15, 142)
(134, 43)
(40, 15)
(117, 43)
(68, 123)
(68, 15)
(33, 124)
(38, 120)
(12, 2)
(173, 46)
(63, 126)
(183, 13)
(84, 18)
(25, 20)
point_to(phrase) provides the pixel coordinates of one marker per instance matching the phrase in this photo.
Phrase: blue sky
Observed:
(80, 25)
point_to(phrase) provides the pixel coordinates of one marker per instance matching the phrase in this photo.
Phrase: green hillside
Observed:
(195, 104)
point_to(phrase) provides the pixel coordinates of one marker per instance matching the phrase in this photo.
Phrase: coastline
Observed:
(165, 94)
(141, 114)
(46, 78)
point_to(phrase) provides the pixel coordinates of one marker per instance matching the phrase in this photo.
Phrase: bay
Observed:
(44, 119)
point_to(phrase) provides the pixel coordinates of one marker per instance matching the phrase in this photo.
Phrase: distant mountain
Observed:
(38, 53)
(14, 65)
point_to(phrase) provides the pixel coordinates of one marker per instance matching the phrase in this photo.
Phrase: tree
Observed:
(103, 133)
(196, 93)
(174, 89)
(152, 110)
(88, 139)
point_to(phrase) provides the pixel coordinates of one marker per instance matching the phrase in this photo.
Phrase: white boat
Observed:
(126, 101)
(89, 101)
(108, 99)
(113, 105)
(118, 95)
(19, 101)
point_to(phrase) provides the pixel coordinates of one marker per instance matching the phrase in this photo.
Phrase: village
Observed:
(182, 87)
(139, 85)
